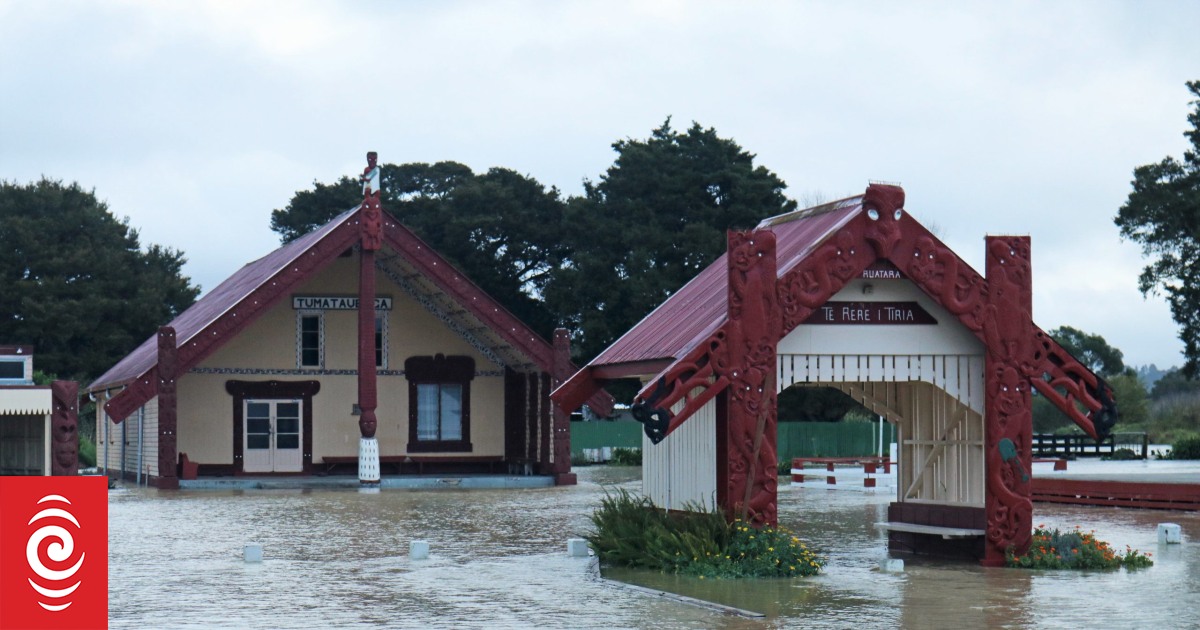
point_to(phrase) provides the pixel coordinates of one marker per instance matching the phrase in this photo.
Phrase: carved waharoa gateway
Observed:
(714, 356)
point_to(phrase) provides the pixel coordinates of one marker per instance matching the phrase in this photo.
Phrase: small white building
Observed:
(34, 440)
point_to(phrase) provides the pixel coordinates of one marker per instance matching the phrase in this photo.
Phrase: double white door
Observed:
(272, 435)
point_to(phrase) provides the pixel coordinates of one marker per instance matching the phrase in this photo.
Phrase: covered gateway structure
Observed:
(854, 295)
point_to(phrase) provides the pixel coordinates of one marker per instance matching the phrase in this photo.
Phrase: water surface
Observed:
(337, 558)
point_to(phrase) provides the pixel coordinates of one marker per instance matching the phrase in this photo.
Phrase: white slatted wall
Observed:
(960, 376)
(683, 468)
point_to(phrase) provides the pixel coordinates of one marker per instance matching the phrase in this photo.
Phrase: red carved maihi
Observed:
(1007, 432)
(1069, 385)
(752, 335)
(64, 428)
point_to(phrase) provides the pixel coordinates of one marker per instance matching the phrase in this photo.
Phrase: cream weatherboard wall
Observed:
(130, 447)
(267, 350)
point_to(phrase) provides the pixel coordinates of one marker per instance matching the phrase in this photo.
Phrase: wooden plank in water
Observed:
(1161, 496)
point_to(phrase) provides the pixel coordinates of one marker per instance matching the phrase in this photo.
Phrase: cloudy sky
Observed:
(196, 119)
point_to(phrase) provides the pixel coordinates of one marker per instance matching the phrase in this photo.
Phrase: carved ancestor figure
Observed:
(372, 217)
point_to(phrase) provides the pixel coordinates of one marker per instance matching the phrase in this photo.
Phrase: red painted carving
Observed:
(884, 206)
(1065, 382)
(753, 332)
(822, 274)
(167, 374)
(371, 219)
(694, 379)
(1009, 420)
(64, 428)
(943, 275)
(367, 393)
(545, 466)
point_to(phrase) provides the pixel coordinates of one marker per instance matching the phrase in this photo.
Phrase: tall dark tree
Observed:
(76, 283)
(1163, 215)
(502, 229)
(1091, 350)
(655, 219)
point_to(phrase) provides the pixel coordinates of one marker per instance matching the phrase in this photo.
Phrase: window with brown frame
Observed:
(439, 403)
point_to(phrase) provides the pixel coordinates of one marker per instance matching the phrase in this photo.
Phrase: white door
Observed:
(272, 436)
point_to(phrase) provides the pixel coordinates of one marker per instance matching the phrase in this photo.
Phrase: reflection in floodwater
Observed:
(337, 558)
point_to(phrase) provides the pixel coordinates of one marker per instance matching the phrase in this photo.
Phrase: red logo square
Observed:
(53, 552)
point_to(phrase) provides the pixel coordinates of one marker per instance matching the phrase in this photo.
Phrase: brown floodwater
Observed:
(339, 559)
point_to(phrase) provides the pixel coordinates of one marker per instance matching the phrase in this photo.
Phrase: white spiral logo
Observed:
(59, 551)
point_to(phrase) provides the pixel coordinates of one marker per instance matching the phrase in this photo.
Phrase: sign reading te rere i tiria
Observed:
(871, 313)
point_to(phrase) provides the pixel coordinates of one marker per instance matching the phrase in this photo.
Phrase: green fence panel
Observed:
(831, 439)
(618, 433)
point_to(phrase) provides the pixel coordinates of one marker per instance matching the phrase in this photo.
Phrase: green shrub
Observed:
(1187, 447)
(87, 452)
(1121, 454)
(1075, 549)
(631, 531)
(626, 456)
(579, 459)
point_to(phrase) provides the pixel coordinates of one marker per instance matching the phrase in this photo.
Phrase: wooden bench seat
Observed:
(944, 532)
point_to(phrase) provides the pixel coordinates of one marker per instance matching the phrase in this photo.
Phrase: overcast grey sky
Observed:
(196, 119)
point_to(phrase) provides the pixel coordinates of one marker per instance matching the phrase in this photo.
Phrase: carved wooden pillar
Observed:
(1008, 419)
(562, 420)
(167, 415)
(753, 333)
(371, 235)
(64, 428)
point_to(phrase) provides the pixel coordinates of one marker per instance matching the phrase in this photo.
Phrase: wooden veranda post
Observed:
(371, 239)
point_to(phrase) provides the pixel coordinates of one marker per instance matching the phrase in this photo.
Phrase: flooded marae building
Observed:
(264, 374)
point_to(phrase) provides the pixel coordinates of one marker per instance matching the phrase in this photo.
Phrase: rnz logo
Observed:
(56, 585)
(53, 552)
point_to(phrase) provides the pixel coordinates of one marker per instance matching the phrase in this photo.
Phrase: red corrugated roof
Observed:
(215, 303)
(696, 311)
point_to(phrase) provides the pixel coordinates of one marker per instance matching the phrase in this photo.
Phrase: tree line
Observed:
(76, 282)
(594, 263)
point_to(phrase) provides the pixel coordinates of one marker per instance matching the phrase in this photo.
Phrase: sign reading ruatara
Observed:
(882, 270)
(871, 313)
(335, 303)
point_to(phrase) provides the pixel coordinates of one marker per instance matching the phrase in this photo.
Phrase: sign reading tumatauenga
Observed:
(335, 303)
